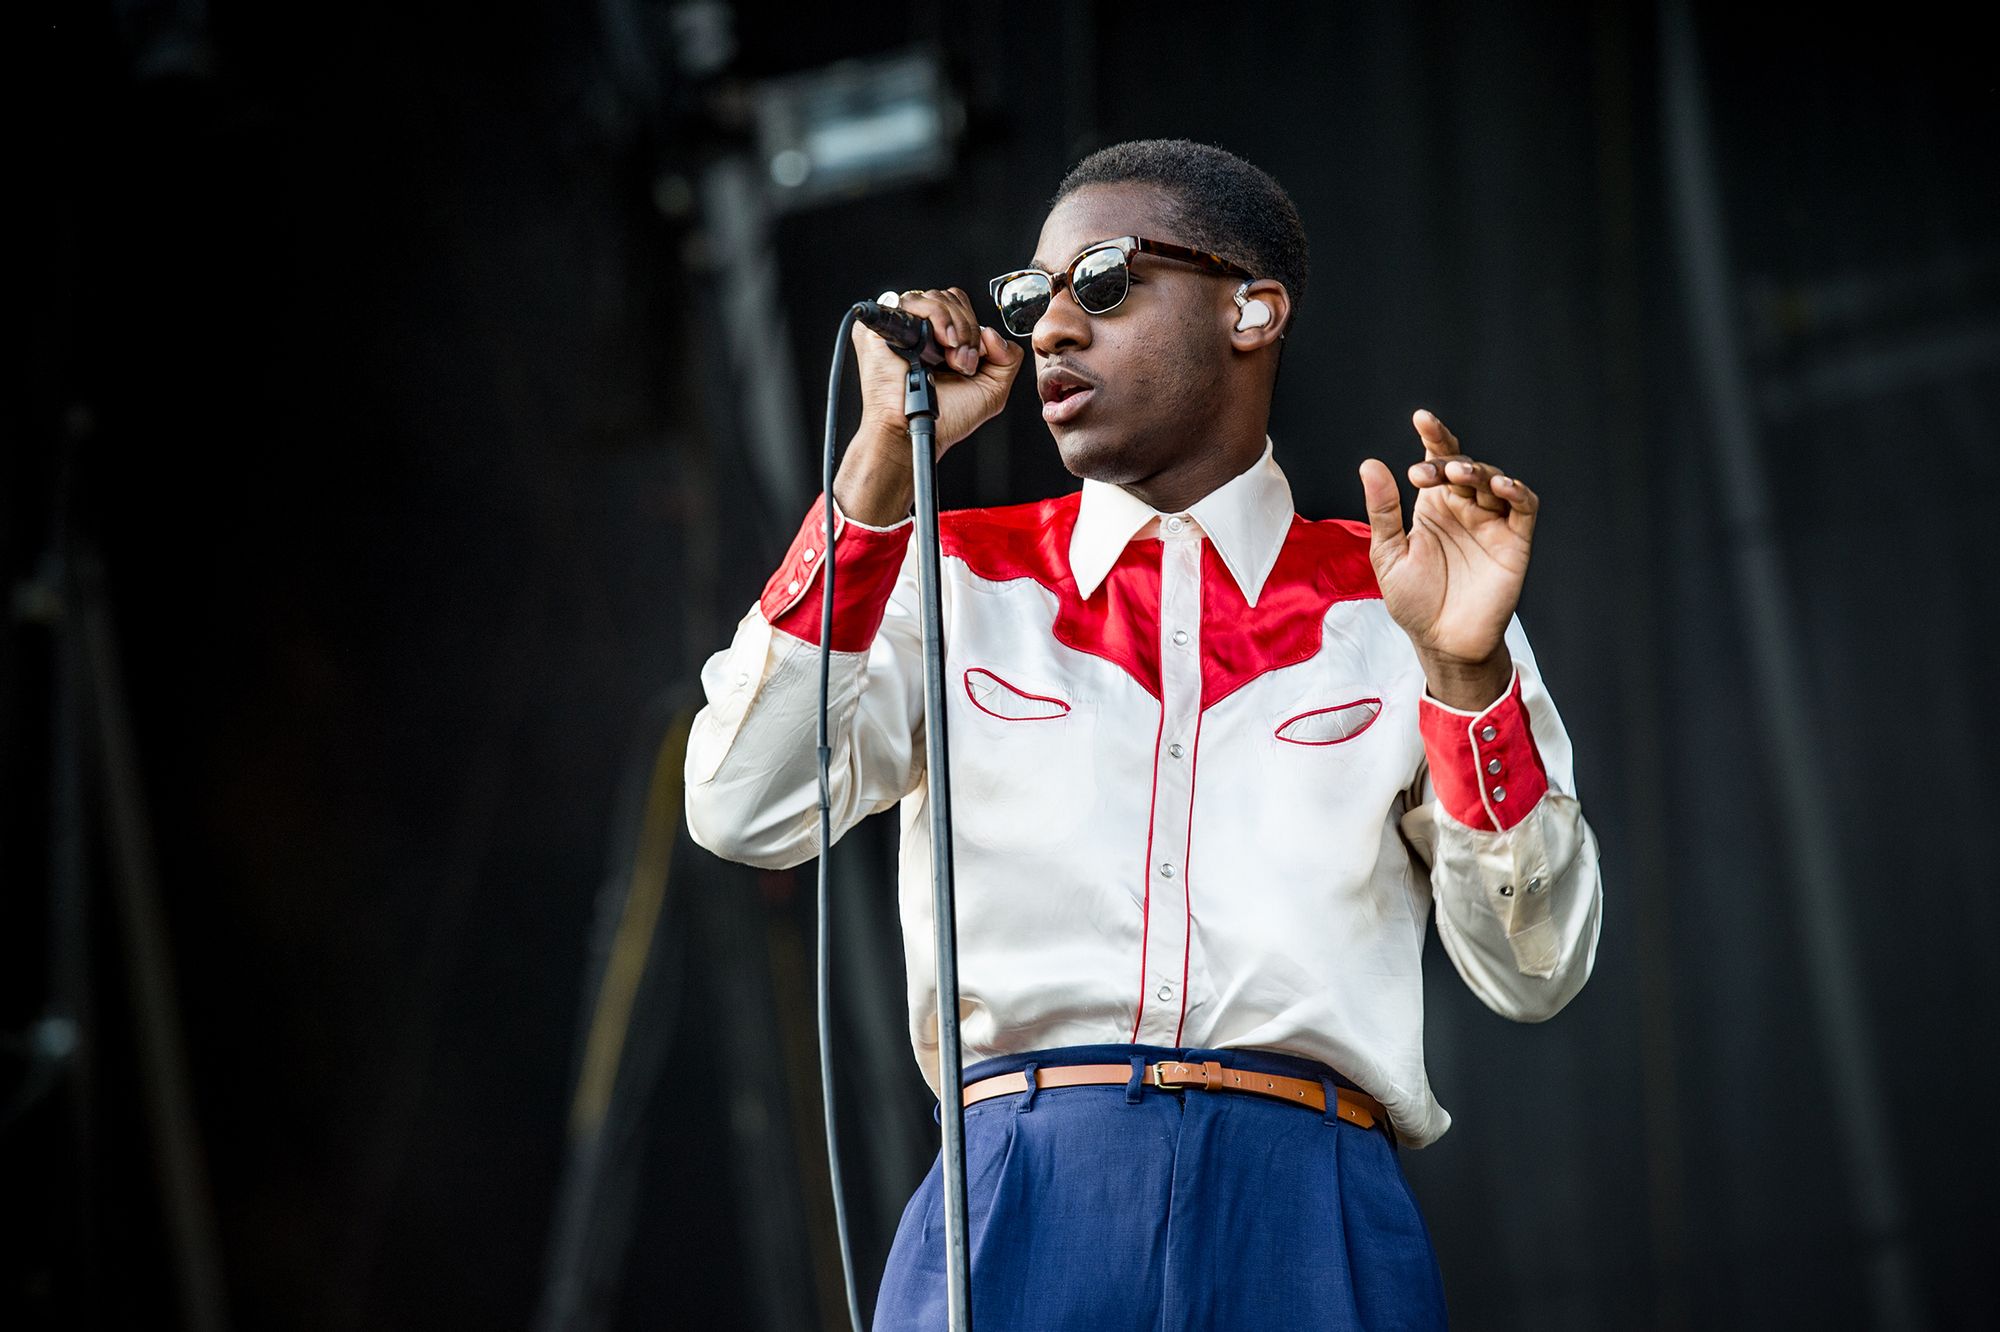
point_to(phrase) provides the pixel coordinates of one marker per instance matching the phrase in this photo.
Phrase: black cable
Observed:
(826, 818)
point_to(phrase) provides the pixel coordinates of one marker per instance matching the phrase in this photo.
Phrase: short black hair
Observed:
(1219, 202)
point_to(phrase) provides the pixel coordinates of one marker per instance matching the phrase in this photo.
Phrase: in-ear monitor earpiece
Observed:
(1256, 314)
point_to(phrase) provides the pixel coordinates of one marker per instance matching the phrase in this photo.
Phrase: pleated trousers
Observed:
(1131, 1207)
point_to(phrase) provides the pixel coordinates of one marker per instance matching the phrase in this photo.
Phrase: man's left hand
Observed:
(1453, 579)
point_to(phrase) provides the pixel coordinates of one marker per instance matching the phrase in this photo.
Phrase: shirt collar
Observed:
(1246, 518)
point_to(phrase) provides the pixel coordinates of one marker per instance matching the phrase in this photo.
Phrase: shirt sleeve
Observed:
(1513, 865)
(752, 771)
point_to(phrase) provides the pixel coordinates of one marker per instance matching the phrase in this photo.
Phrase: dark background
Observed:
(370, 391)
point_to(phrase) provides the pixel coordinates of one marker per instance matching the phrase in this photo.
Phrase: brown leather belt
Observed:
(1353, 1106)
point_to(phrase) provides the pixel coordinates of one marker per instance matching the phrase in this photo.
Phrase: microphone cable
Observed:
(824, 968)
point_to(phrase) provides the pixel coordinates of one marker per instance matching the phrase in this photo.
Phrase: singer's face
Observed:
(1157, 361)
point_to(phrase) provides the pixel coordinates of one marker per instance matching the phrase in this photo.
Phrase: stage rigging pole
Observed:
(1864, 1119)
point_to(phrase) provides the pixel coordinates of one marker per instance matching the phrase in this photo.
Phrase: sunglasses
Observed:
(1098, 279)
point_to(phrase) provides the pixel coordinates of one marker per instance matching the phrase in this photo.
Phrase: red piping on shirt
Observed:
(1187, 876)
(1146, 906)
(1013, 689)
(1338, 707)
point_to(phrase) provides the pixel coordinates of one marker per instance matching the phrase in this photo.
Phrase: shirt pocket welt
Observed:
(1023, 772)
(1330, 750)
(1008, 702)
(1334, 724)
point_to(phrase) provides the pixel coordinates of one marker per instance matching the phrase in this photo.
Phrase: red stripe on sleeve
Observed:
(869, 560)
(1486, 769)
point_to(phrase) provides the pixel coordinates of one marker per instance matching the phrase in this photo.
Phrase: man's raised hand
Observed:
(1453, 579)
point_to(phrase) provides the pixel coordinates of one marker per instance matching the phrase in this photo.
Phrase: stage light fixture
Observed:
(855, 128)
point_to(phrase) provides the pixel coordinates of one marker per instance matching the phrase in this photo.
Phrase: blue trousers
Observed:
(1129, 1207)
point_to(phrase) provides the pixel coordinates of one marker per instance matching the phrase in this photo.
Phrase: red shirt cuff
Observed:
(868, 560)
(1484, 765)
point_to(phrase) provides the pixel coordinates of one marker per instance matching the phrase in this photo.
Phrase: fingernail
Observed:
(950, 336)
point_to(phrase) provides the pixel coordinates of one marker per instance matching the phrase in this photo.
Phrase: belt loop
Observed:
(1332, 1100)
(1027, 1101)
(1137, 1086)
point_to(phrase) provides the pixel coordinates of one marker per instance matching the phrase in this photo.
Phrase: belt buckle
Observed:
(1201, 1076)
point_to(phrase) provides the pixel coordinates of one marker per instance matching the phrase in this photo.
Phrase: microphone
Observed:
(903, 331)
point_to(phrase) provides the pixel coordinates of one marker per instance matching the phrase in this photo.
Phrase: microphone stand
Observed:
(920, 407)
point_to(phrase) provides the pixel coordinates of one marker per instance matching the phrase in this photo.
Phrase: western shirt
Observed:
(1201, 796)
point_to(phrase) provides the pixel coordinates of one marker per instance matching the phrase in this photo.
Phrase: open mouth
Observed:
(1064, 395)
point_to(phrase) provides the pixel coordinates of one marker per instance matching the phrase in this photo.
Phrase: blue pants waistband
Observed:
(1254, 1061)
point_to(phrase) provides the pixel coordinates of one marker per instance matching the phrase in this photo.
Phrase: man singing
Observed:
(1213, 766)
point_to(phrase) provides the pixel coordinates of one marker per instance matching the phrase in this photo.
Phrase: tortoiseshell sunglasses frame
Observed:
(1127, 246)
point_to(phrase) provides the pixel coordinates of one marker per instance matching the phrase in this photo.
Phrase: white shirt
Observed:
(1201, 797)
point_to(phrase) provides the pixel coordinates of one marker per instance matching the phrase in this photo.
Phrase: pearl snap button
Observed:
(1166, 871)
(807, 554)
(1175, 750)
(1488, 733)
(1180, 638)
(1499, 794)
(792, 587)
(1493, 766)
(1165, 992)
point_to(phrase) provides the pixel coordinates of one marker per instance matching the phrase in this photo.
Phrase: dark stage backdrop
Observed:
(375, 359)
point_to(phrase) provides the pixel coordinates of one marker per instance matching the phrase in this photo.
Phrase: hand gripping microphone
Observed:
(903, 331)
